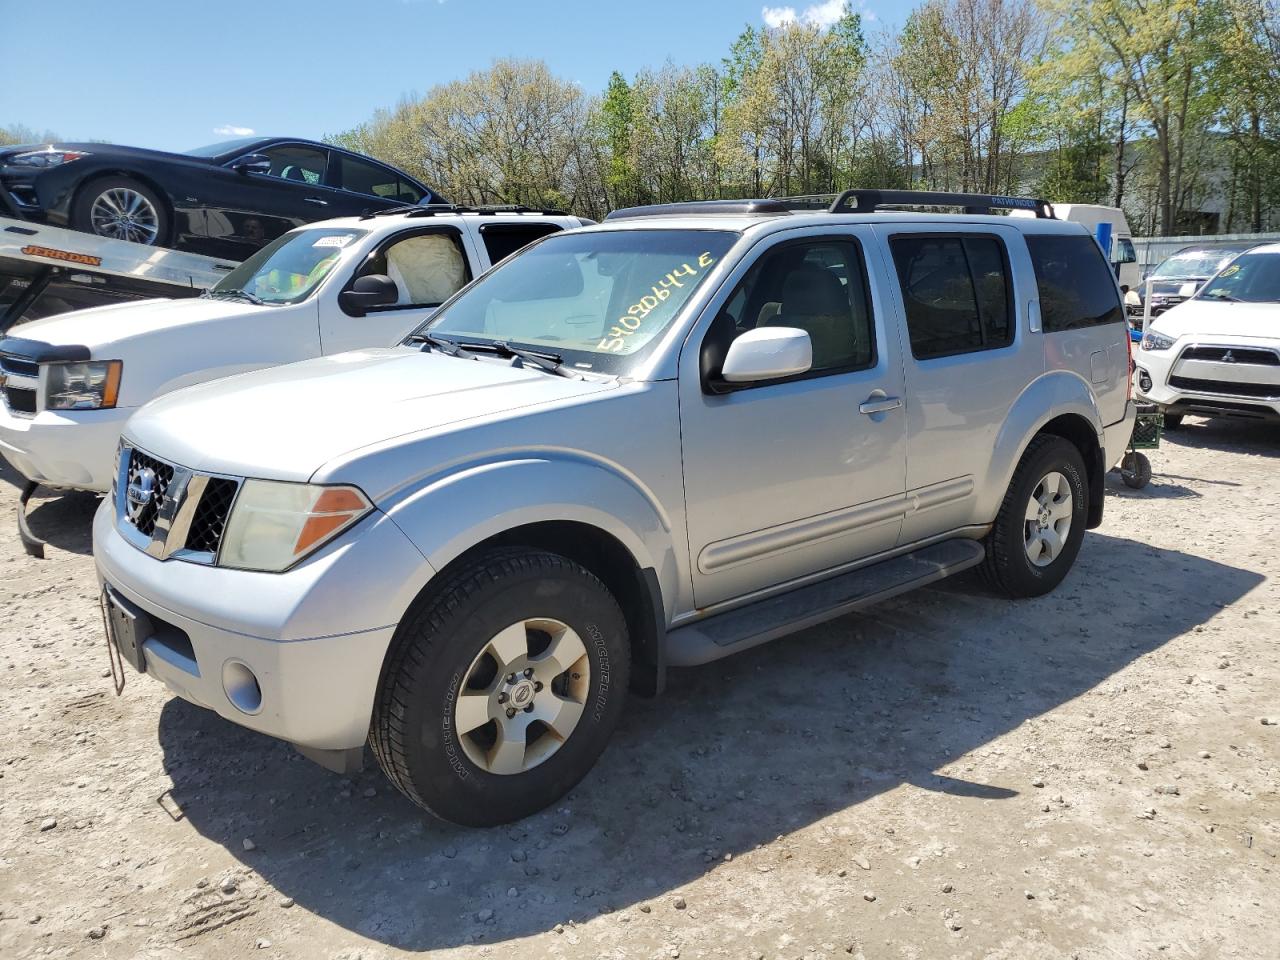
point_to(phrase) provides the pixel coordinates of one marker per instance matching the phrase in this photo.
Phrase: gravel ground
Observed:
(1085, 775)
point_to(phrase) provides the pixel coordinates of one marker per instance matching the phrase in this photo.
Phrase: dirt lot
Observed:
(1086, 775)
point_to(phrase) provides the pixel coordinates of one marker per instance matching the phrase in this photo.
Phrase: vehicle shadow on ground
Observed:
(63, 520)
(733, 756)
(1256, 438)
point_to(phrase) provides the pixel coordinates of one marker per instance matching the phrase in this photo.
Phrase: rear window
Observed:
(1077, 287)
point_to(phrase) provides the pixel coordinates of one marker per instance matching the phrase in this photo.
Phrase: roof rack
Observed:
(433, 209)
(865, 201)
(869, 201)
(703, 208)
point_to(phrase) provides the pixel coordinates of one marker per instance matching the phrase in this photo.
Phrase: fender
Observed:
(1048, 397)
(455, 512)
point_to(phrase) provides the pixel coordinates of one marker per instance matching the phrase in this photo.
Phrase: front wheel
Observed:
(121, 208)
(502, 688)
(1040, 526)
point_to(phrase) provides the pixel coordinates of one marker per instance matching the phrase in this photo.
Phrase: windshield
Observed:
(224, 146)
(599, 300)
(1194, 264)
(1251, 277)
(290, 267)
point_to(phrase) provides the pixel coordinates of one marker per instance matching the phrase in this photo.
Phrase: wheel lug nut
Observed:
(511, 678)
(528, 671)
(502, 698)
(537, 687)
(511, 712)
(529, 708)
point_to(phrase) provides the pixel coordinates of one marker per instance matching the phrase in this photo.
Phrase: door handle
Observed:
(323, 203)
(879, 405)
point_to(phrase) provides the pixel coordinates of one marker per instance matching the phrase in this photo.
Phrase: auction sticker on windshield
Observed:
(626, 325)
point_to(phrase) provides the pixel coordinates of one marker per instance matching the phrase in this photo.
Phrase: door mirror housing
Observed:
(767, 353)
(252, 163)
(372, 290)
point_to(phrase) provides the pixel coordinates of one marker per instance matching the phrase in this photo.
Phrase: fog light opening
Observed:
(1144, 380)
(241, 687)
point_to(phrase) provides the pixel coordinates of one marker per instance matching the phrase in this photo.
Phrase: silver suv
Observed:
(648, 443)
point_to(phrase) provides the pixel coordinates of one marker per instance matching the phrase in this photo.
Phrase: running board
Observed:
(727, 633)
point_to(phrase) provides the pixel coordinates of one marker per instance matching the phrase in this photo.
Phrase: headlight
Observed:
(82, 386)
(273, 525)
(44, 158)
(1156, 341)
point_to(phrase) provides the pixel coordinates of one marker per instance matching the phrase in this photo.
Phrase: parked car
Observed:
(653, 442)
(1218, 353)
(1180, 275)
(71, 381)
(224, 200)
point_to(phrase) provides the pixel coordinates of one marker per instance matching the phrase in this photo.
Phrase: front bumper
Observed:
(314, 638)
(1207, 388)
(68, 449)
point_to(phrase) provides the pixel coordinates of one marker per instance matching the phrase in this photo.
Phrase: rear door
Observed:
(360, 185)
(961, 290)
(1082, 316)
(427, 264)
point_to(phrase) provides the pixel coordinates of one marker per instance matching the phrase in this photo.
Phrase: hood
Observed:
(287, 422)
(1205, 318)
(102, 149)
(101, 328)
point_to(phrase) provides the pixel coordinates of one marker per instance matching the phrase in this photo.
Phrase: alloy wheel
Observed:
(1048, 519)
(124, 214)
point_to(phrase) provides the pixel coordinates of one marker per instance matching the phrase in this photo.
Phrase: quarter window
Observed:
(818, 287)
(1077, 288)
(956, 293)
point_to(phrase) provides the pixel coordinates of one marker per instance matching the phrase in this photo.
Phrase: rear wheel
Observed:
(503, 687)
(1038, 531)
(123, 209)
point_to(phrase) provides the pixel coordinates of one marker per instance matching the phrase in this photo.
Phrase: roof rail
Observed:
(703, 208)
(869, 201)
(433, 209)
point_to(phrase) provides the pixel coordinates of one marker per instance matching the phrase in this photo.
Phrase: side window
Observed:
(1077, 287)
(819, 287)
(1124, 251)
(303, 164)
(501, 240)
(427, 268)
(372, 180)
(956, 293)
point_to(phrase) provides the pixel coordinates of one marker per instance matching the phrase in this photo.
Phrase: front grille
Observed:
(210, 520)
(1260, 358)
(20, 400)
(1226, 387)
(18, 366)
(142, 511)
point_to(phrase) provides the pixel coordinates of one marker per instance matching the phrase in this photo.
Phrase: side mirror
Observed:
(767, 353)
(374, 290)
(252, 163)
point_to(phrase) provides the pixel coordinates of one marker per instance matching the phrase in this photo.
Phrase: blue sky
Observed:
(176, 74)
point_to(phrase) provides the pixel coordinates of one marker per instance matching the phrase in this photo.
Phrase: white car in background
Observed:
(1218, 353)
(70, 382)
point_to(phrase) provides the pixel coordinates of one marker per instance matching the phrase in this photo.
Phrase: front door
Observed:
(794, 477)
(427, 264)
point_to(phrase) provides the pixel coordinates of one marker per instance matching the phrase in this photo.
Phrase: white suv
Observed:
(71, 381)
(1218, 353)
(653, 442)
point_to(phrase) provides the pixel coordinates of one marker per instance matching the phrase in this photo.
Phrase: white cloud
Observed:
(231, 130)
(822, 15)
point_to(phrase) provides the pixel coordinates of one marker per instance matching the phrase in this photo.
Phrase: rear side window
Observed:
(501, 240)
(1077, 287)
(956, 292)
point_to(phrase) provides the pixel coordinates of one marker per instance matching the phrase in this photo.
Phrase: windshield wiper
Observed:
(235, 295)
(550, 362)
(447, 347)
